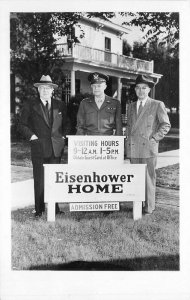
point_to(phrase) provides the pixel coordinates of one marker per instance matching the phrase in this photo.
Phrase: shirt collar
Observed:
(143, 101)
(100, 99)
(45, 101)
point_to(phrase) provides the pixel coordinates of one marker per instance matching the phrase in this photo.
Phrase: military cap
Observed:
(97, 78)
(144, 79)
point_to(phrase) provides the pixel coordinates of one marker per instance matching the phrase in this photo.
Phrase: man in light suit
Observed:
(147, 124)
(44, 123)
(99, 114)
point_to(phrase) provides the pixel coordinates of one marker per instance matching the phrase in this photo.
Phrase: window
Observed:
(107, 44)
(107, 49)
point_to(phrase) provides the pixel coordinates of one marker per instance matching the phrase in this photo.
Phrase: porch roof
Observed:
(88, 59)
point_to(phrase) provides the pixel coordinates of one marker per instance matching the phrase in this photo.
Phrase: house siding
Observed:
(96, 38)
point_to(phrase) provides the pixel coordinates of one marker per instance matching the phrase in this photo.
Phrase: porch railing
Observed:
(105, 58)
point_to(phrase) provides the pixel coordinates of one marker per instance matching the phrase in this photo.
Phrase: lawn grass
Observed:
(95, 241)
(168, 177)
(168, 144)
(20, 154)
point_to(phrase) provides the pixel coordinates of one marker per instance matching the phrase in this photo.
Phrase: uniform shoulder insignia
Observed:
(114, 99)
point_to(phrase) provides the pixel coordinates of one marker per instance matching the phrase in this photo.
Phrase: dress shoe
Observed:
(145, 212)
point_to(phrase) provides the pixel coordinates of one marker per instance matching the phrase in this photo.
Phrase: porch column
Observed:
(119, 87)
(72, 83)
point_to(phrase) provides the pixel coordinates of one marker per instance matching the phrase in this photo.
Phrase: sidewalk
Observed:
(22, 193)
(167, 158)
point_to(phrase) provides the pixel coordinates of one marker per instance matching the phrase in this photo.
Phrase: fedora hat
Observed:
(144, 79)
(46, 80)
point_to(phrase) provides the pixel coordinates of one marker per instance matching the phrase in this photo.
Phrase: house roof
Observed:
(108, 24)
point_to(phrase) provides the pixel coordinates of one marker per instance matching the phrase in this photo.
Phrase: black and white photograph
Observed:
(94, 183)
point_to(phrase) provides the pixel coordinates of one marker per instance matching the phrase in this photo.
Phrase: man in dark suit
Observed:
(147, 124)
(99, 114)
(45, 124)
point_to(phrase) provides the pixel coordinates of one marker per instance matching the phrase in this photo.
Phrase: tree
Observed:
(33, 41)
(160, 44)
(166, 64)
(33, 45)
(162, 26)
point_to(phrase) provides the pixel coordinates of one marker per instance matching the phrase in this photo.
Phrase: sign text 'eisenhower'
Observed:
(113, 182)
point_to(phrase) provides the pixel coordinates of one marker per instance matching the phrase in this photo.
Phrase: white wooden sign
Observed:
(95, 149)
(73, 184)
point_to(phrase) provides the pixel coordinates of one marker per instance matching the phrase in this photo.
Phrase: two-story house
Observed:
(101, 50)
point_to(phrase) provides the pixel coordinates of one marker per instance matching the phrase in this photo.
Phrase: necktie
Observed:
(99, 102)
(140, 108)
(47, 110)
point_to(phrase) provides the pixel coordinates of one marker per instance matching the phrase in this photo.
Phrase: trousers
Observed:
(150, 178)
(38, 174)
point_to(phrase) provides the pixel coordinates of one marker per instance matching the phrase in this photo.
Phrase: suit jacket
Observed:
(50, 135)
(145, 131)
(94, 121)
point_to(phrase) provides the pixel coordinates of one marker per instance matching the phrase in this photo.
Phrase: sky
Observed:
(135, 35)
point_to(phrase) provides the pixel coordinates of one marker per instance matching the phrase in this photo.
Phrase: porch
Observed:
(106, 58)
(80, 58)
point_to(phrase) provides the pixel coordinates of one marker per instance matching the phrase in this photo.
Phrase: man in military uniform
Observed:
(99, 114)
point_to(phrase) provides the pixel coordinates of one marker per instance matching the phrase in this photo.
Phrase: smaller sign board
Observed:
(92, 149)
(95, 206)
